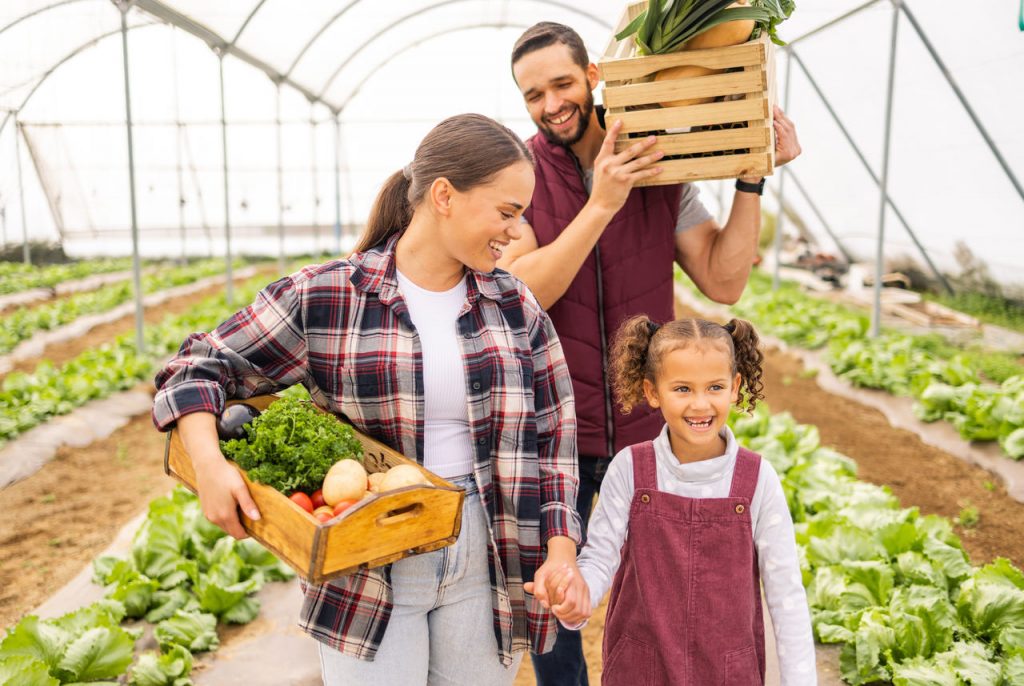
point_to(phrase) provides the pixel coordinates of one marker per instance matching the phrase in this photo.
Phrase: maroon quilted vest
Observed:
(629, 272)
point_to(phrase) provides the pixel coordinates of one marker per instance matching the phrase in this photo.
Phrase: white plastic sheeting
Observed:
(392, 70)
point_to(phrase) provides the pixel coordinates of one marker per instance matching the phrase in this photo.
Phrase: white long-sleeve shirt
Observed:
(773, 538)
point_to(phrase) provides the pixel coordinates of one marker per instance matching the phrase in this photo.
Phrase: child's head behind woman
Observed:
(693, 371)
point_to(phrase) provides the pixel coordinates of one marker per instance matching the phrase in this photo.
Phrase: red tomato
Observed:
(343, 505)
(318, 498)
(323, 513)
(302, 500)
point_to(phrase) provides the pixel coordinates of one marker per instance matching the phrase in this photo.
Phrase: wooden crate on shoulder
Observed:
(371, 533)
(729, 137)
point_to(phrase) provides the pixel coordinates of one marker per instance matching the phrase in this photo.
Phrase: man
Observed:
(596, 250)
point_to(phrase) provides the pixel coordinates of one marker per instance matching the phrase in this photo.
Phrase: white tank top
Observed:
(447, 444)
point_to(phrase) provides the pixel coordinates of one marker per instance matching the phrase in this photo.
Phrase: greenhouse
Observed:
(195, 220)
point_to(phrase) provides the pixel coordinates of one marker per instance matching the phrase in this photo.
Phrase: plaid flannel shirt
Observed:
(342, 329)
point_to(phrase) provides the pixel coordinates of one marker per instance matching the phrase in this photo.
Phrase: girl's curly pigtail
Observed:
(628, 360)
(749, 361)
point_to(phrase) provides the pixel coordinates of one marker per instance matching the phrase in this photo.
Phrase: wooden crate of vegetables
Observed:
(690, 73)
(375, 506)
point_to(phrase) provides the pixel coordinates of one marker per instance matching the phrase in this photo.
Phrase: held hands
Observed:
(615, 174)
(560, 587)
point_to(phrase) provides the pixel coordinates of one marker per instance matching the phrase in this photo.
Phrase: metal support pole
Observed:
(871, 172)
(26, 253)
(349, 197)
(280, 186)
(229, 291)
(179, 134)
(337, 185)
(899, 5)
(313, 181)
(876, 311)
(820, 216)
(140, 342)
(780, 219)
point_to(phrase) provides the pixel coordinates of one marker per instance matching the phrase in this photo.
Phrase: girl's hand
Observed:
(551, 583)
(574, 606)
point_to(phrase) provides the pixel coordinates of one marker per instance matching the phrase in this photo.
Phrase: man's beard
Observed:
(581, 125)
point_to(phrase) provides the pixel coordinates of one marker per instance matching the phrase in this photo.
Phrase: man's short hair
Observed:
(548, 33)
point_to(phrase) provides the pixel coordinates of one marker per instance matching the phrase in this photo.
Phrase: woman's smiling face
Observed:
(484, 219)
(695, 388)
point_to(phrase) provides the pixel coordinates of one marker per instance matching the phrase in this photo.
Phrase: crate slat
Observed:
(746, 54)
(732, 83)
(664, 118)
(704, 168)
(708, 141)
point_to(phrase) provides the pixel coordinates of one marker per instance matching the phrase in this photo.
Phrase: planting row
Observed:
(25, 322)
(894, 587)
(17, 276)
(946, 382)
(27, 400)
(184, 575)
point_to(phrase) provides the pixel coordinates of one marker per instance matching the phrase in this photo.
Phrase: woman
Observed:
(420, 343)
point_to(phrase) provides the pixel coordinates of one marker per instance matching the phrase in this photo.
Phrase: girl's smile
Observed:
(694, 389)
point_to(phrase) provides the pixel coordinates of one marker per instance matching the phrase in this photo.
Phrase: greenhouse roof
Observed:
(390, 70)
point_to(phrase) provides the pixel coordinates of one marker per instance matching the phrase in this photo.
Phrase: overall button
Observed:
(482, 440)
(740, 509)
(476, 385)
(645, 498)
(467, 335)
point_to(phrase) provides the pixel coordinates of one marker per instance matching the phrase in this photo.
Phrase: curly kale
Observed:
(291, 445)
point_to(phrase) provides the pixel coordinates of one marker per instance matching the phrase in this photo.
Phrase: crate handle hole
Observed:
(402, 514)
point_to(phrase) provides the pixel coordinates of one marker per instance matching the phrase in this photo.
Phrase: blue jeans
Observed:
(441, 631)
(565, 665)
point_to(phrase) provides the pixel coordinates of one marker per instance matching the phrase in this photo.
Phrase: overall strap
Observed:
(744, 476)
(645, 473)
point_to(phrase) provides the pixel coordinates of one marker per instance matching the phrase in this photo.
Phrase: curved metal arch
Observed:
(39, 10)
(316, 36)
(220, 45)
(437, 34)
(245, 24)
(563, 5)
(421, 11)
(69, 56)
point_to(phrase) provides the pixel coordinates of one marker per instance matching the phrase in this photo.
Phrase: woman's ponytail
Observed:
(391, 212)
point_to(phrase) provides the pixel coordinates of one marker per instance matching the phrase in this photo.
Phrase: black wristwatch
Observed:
(746, 187)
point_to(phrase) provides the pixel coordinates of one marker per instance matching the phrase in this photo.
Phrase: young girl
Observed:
(421, 343)
(700, 522)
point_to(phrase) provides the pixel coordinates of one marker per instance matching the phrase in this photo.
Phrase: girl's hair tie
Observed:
(652, 327)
